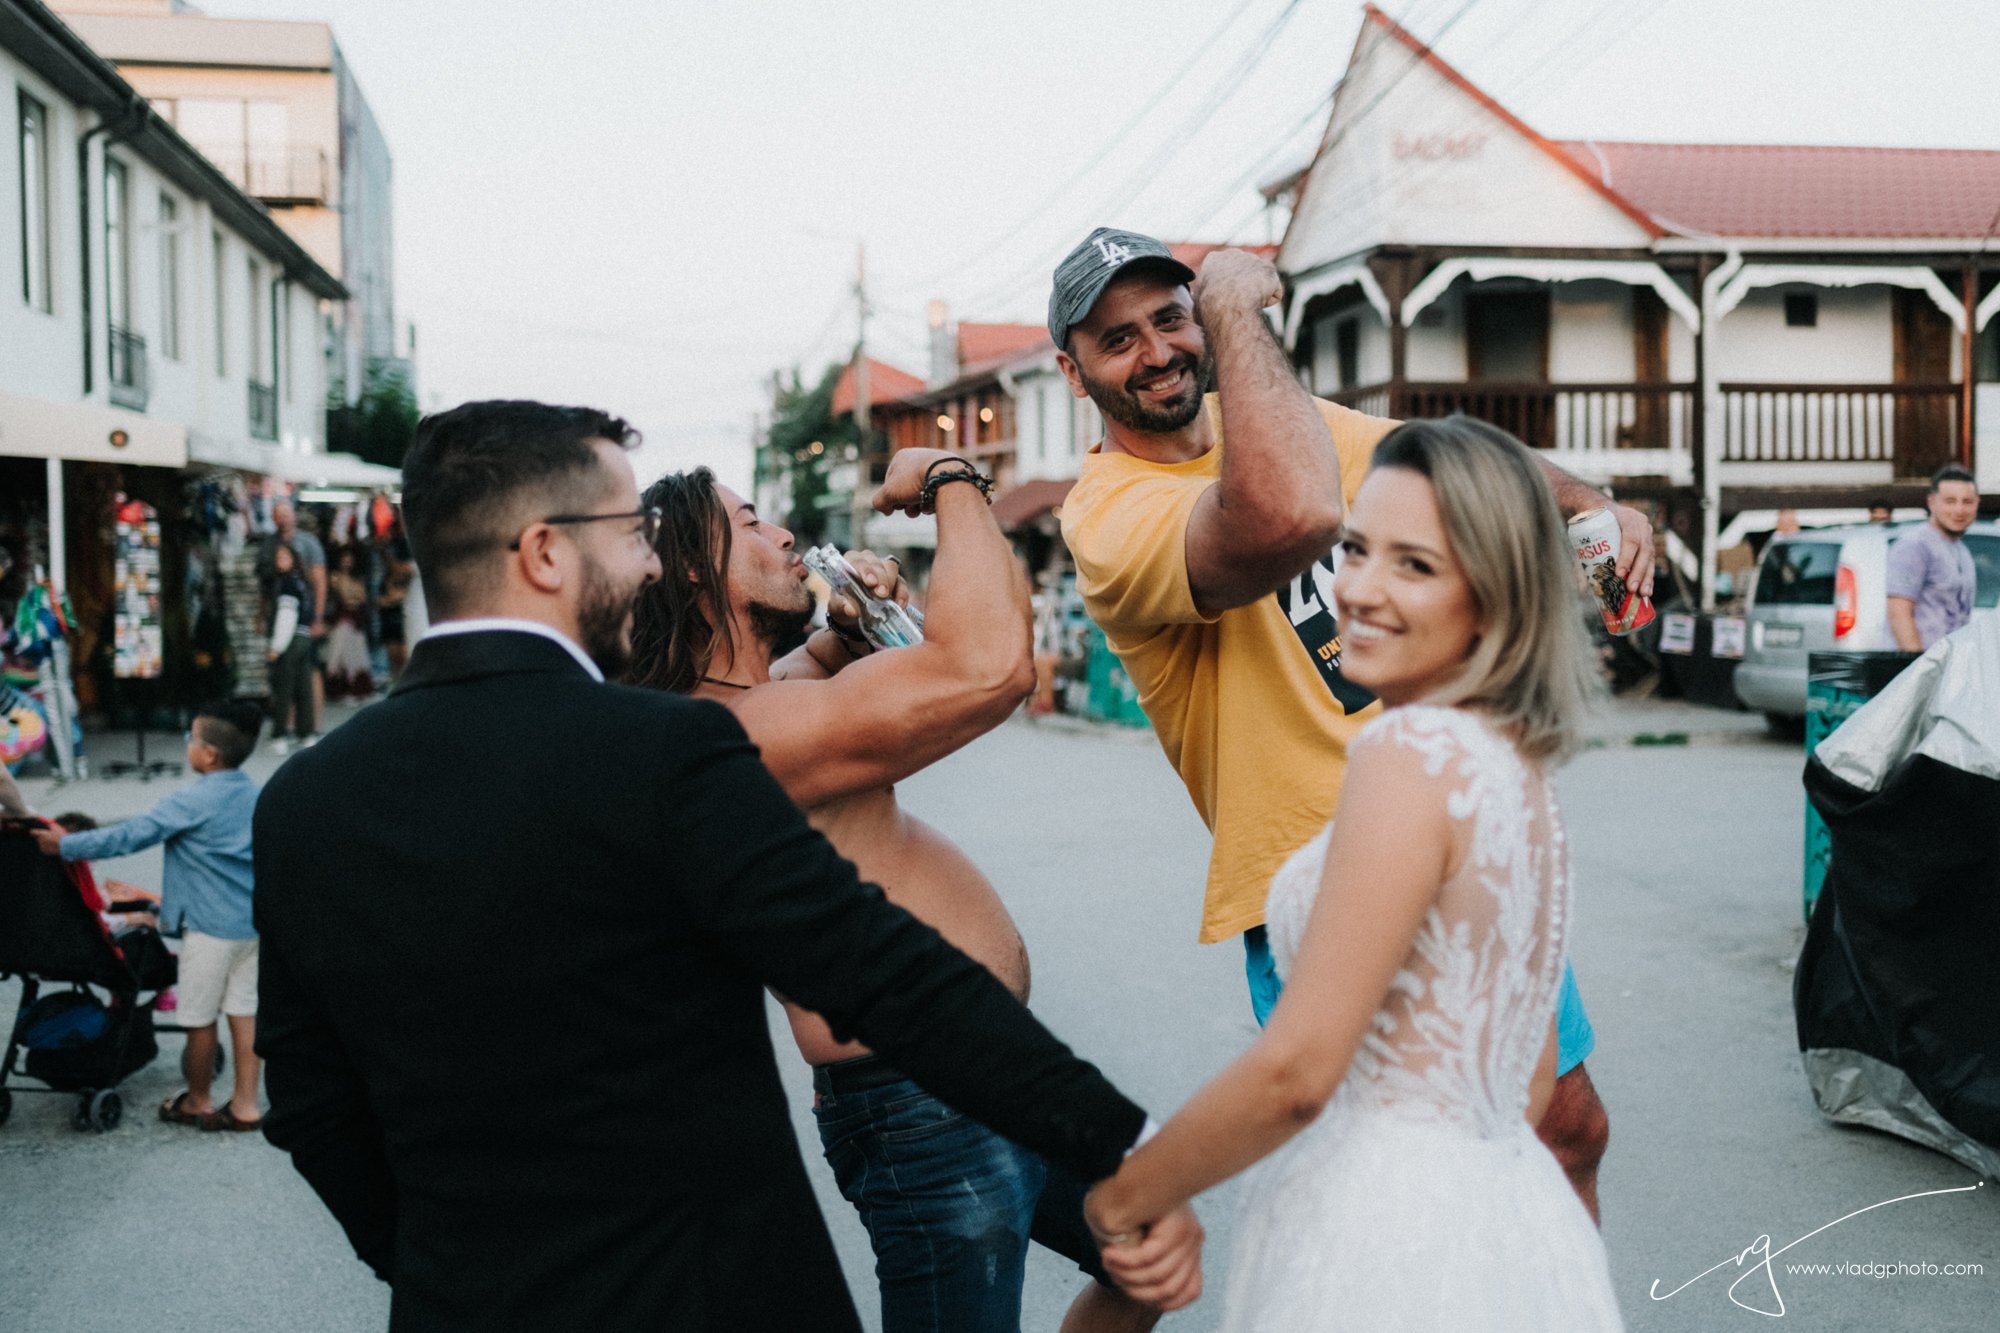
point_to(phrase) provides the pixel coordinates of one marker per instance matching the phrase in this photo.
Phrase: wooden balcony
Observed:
(1905, 430)
(1913, 427)
(1642, 425)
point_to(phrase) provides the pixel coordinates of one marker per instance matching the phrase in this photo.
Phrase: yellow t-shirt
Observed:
(1250, 706)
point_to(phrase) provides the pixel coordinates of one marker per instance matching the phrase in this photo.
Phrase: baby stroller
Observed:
(50, 932)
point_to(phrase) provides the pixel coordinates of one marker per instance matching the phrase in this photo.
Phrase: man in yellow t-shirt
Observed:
(1210, 569)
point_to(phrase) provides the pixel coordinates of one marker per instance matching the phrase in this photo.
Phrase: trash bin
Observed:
(1837, 684)
(1110, 695)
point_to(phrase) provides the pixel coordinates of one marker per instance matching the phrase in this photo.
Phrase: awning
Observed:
(890, 532)
(88, 433)
(1629, 272)
(1325, 284)
(1021, 505)
(342, 470)
(1913, 277)
(1987, 308)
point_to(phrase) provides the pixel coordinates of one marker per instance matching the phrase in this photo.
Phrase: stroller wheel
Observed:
(99, 1112)
(6, 1105)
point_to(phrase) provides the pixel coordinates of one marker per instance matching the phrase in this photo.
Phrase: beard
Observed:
(780, 628)
(604, 619)
(1121, 402)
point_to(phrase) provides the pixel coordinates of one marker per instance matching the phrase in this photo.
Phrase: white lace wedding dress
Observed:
(1420, 1199)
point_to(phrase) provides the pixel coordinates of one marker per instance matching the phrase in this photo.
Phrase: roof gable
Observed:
(1415, 153)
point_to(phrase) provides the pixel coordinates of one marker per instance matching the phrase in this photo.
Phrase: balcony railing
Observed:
(263, 411)
(1911, 426)
(292, 176)
(1589, 418)
(130, 384)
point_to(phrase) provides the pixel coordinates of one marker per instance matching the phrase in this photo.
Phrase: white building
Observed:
(151, 314)
(277, 108)
(1717, 328)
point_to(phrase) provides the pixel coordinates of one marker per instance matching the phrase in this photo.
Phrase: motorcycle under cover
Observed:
(1897, 992)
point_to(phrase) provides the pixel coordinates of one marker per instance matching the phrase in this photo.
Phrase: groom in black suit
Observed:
(530, 1105)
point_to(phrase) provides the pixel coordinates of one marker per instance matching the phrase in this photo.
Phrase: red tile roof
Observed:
(979, 343)
(1192, 253)
(886, 385)
(1028, 501)
(1777, 190)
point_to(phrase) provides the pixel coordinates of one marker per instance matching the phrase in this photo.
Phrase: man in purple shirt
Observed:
(1931, 574)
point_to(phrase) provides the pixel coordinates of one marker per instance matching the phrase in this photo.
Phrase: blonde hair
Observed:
(1532, 667)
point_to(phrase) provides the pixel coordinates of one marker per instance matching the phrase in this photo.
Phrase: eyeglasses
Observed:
(650, 518)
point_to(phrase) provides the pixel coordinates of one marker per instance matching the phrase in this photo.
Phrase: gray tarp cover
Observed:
(1898, 987)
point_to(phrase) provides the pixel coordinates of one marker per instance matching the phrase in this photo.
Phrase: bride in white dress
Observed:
(1421, 936)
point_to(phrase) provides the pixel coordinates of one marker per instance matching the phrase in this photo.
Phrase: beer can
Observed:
(1593, 535)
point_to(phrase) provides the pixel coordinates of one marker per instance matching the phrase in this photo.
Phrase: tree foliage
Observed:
(805, 441)
(380, 426)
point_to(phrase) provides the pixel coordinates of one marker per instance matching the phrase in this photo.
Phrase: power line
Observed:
(1148, 171)
(1097, 159)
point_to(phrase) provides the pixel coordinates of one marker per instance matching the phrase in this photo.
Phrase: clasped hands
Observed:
(1156, 1262)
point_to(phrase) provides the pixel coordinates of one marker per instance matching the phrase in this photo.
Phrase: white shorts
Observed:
(217, 977)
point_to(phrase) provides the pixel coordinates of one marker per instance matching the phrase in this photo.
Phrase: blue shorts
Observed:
(1575, 1038)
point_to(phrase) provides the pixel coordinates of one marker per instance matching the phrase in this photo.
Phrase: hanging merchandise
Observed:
(137, 651)
(42, 625)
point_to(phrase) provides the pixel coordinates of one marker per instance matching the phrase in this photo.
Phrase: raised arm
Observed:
(1278, 505)
(895, 712)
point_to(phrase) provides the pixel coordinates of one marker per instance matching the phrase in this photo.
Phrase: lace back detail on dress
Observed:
(1464, 1023)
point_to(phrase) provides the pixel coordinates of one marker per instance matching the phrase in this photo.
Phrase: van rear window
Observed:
(1798, 573)
(1986, 559)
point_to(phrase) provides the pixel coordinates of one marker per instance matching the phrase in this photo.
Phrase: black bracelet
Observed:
(937, 463)
(856, 646)
(927, 498)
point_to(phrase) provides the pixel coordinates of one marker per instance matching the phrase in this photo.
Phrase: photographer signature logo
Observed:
(1761, 1247)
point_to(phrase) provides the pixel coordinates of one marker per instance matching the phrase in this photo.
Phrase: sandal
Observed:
(224, 1120)
(174, 1113)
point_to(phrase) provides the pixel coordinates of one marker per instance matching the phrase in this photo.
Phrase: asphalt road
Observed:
(1687, 866)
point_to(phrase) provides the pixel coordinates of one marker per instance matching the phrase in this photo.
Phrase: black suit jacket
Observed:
(516, 931)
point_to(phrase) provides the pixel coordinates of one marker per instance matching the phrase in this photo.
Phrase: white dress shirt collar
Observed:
(550, 632)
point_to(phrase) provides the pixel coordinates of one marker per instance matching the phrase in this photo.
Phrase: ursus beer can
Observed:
(1593, 535)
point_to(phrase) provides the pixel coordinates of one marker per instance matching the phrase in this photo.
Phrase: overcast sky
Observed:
(648, 205)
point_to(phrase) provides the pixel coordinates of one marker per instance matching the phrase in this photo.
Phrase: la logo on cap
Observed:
(1114, 253)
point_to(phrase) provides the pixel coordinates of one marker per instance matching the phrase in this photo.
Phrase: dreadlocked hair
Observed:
(679, 619)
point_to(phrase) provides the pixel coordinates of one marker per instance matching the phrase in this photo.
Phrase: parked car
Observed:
(1824, 589)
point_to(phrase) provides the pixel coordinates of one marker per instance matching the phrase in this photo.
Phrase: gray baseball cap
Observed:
(1087, 270)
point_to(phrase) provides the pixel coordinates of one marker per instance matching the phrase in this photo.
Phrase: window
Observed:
(1347, 352)
(217, 275)
(117, 245)
(34, 160)
(170, 277)
(1801, 310)
(260, 362)
(281, 336)
(1799, 573)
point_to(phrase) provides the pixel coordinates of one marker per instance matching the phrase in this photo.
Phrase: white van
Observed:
(1826, 589)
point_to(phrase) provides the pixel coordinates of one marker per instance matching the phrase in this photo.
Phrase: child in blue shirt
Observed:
(205, 893)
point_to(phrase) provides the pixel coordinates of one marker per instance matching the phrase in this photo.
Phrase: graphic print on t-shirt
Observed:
(1307, 601)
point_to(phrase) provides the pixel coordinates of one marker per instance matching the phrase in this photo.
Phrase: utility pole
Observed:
(864, 447)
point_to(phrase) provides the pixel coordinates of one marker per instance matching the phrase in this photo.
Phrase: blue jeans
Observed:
(1575, 1038)
(950, 1207)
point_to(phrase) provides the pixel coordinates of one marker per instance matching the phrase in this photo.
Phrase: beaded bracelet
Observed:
(927, 497)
